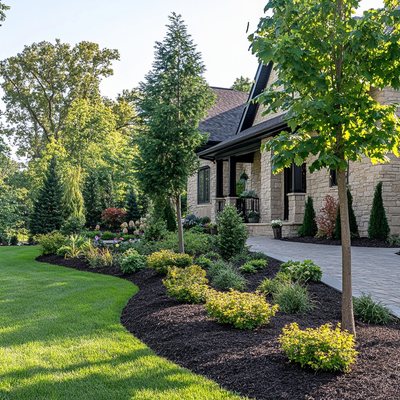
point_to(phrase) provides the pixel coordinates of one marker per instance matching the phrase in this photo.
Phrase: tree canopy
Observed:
(242, 84)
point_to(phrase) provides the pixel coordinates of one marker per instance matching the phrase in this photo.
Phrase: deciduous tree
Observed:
(328, 63)
(242, 84)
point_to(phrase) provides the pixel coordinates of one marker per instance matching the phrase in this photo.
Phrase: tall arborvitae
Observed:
(47, 213)
(133, 213)
(378, 224)
(352, 220)
(92, 197)
(309, 227)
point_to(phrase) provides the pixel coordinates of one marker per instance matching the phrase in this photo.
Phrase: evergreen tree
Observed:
(309, 227)
(352, 219)
(47, 213)
(92, 198)
(108, 192)
(133, 213)
(378, 225)
(164, 211)
(174, 99)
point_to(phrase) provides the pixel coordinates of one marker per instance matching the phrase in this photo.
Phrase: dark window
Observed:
(332, 178)
(203, 185)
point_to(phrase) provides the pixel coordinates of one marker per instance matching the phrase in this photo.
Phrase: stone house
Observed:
(232, 160)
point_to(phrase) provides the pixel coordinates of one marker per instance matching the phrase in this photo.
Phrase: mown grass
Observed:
(61, 338)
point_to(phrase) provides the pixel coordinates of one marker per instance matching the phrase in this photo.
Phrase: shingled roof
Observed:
(223, 118)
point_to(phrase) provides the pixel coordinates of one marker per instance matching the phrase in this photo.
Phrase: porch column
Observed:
(232, 176)
(296, 207)
(220, 179)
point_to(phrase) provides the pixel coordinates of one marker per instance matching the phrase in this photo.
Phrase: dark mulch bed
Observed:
(360, 242)
(250, 362)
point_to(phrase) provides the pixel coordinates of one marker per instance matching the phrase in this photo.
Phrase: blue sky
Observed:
(132, 26)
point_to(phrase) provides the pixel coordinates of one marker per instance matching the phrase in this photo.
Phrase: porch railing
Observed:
(220, 204)
(246, 205)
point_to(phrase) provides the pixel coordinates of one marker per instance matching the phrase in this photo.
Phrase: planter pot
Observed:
(277, 232)
(254, 220)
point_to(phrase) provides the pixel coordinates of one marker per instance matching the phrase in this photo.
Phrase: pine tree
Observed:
(352, 220)
(133, 213)
(174, 99)
(47, 213)
(309, 227)
(378, 225)
(92, 198)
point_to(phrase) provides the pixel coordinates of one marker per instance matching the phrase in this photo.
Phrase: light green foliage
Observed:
(302, 271)
(225, 276)
(270, 286)
(232, 233)
(131, 261)
(73, 199)
(242, 310)
(187, 285)
(322, 349)
(292, 299)
(161, 260)
(240, 258)
(51, 242)
(72, 324)
(75, 246)
(99, 258)
(204, 262)
(248, 268)
(242, 84)
(195, 243)
(254, 265)
(369, 311)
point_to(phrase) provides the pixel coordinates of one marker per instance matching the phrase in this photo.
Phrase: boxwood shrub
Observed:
(161, 260)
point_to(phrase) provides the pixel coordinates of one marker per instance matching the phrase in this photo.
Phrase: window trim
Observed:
(207, 186)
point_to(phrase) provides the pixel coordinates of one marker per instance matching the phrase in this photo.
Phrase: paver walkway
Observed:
(375, 270)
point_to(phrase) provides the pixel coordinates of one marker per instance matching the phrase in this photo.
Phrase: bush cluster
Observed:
(242, 310)
(371, 312)
(204, 262)
(187, 285)
(75, 246)
(161, 260)
(324, 348)
(131, 261)
(50, 242)
(302, 271)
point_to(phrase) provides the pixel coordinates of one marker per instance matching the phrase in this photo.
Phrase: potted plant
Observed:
(254, 217)
(276, 225)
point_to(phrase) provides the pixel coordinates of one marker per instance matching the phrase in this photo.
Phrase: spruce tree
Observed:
(173, 100)
(352, 219)
(133, 213)
(378, 224)
(47, 214)
(92, 198)
(309, 227)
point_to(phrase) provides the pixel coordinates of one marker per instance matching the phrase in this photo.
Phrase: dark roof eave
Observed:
(254, 134)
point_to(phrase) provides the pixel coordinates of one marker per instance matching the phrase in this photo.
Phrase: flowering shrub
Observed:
(242, 310)
(113, 217)
(326, 218)
(132, 261)
(188, 285)
(324, 348)
(161, 260)
(302, 271)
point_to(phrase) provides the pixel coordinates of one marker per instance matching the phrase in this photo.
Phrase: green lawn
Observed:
(61, 338)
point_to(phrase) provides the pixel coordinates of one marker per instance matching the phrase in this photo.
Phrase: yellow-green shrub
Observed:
(242, 310)
(51, 242)
(188, 285)
(324, 348)
(161, 260)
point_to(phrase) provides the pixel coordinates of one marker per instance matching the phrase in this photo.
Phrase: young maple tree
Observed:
(328, 62)
(174, 99)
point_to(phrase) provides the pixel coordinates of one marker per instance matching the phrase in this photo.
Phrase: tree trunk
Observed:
(347, 297)
(179, 222)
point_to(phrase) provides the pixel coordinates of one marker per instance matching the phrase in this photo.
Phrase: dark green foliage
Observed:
(309, 227)
(132, 209)
(225, 277)
(371, 312)
(163, 211)
(352, 219)
(156, 230)
(72, 225)
(107, 200)
(232, 233)
(293, 299)
(92, 197)
(378, 225)
(47, 210)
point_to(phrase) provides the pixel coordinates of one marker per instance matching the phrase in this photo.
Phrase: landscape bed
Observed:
(251, 362)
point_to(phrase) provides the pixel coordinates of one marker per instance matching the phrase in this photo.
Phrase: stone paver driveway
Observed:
(375, 270)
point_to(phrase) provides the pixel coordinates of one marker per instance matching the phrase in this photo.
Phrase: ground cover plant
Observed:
(66, 341)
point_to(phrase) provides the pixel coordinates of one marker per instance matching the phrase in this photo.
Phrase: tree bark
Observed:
(179, 222)
(347, 296)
